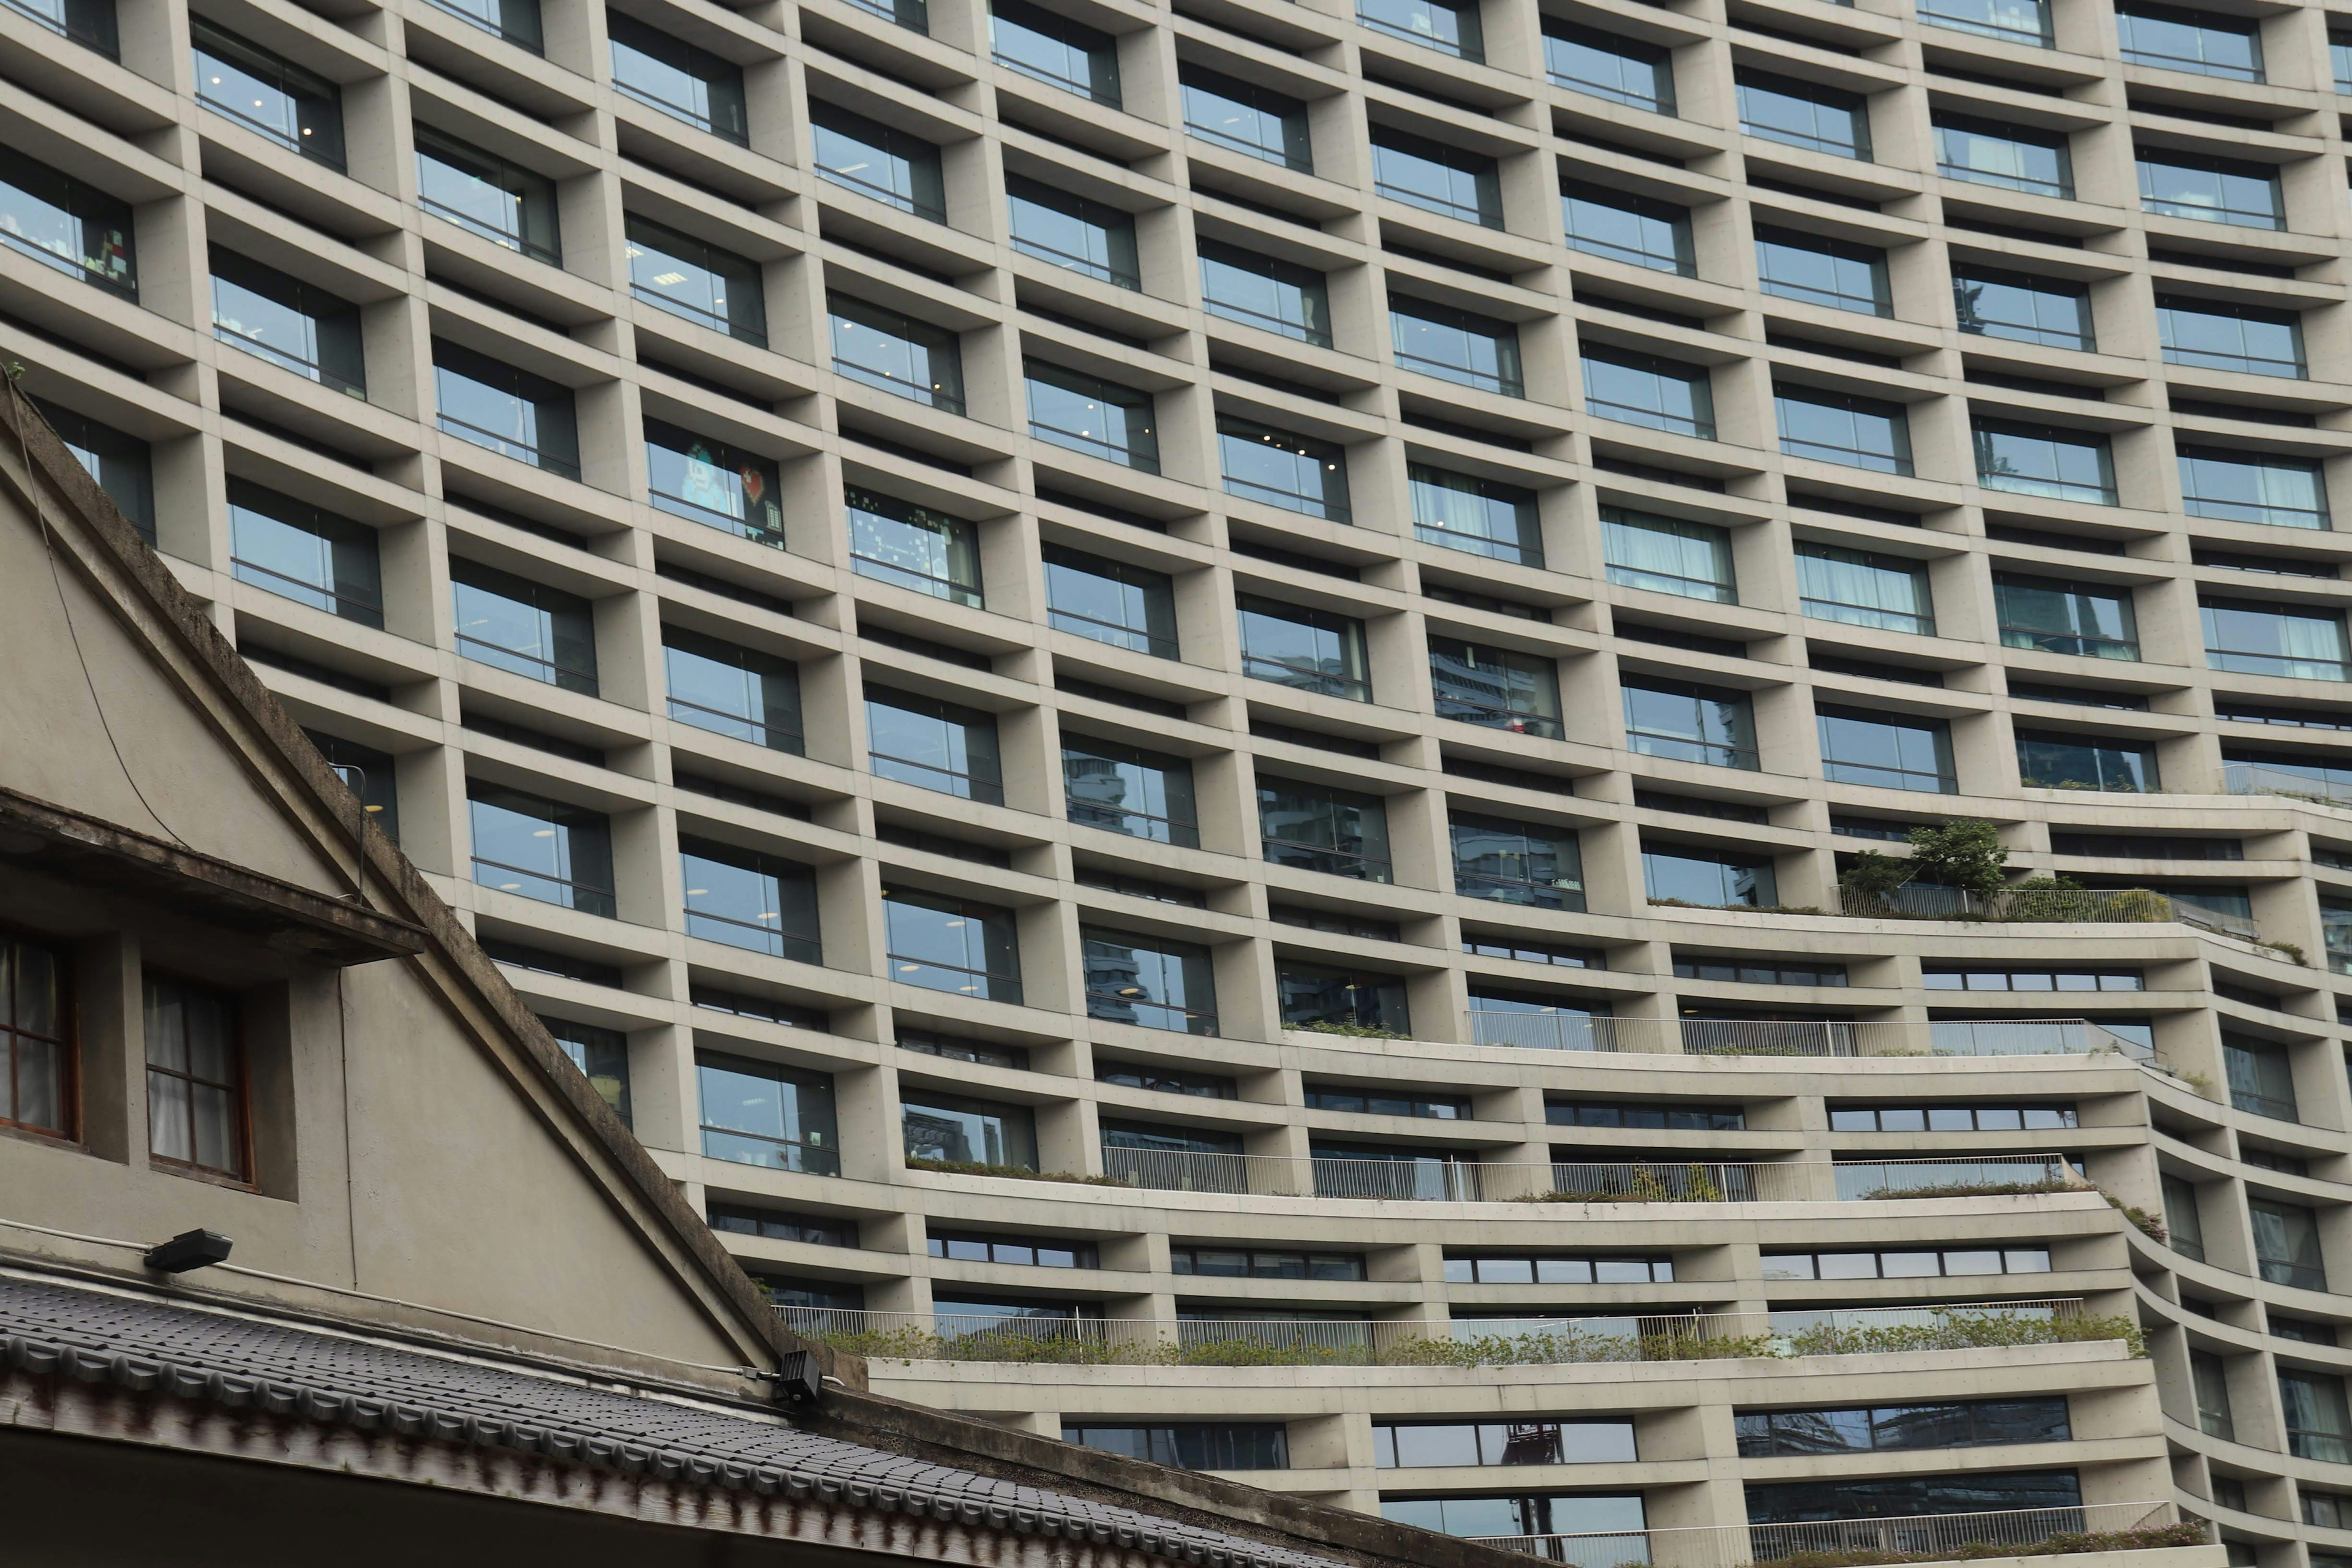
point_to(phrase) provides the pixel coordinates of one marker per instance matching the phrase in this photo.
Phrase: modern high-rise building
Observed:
(1185, 702)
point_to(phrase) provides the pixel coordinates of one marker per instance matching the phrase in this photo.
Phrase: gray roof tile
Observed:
(143, 1344)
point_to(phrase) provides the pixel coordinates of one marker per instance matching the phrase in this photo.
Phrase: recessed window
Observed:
(1191, 1445)
(2023, 22)
(1072, 232)
(1448, 180)
(1604, 65)
(1110, 602)
(763, 1113)
(781, 1225)
(1707, 880)
(268, 94)
(914, 547)
(1953, 1262)
(2044, 460)
(507, 411)
(524, 628)
(1886, 752)
(1055, 50)
(1152, 982)
(1124, 789)
(1841, 428)
(696, 282)
(1260, 291)
(1481, 517)
(489, 197)
(1305, 649)
(1496, 689)
(2210, 190)
(195, 1078)
(1863, 589)
(121, 464)
(2261, 639)
(1087, 414)
(2210, 336)
(1297, 473)
(1985, 154)
(680, 80)
(1952, 1424)
(540, 848)
(2054, 312)
(2050, 616)
(1533, 865)
(63, 223)
(2286, 492)
(1316, 996)
(1556, 1269)
(1755, 972)
(2170, 38)
(1414, 1445)
(601, 1054)
(1690, 723)
(1643, 389)
(1242, 118)
(1432, 23)
(949, 1129)
(714, 484)
(896, 353)
(1318, 827)
(1667, 555)
(1261, 1263)
(1455, 345)
(1618, 226)
(944, 944)
(1951, 1118)
(90, 23)
(1805, 114)
(1814, 270)
(1023, 1252)
(2058, 762)
(934, 744)
(745, 898)
(305, 553)
(287, 323)
(877, 161)
(516, 21)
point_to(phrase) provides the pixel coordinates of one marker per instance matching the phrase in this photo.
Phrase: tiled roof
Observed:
(142, 1344)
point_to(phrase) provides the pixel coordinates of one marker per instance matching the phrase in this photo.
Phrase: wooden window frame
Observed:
(241, 1091)
(69, 1042)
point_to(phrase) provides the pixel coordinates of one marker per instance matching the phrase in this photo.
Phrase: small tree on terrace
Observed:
(1966, 854)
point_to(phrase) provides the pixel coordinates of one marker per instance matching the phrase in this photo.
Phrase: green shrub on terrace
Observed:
(2143, 1539)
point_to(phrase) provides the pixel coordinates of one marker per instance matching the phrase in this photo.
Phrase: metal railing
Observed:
(1915, 1538)
(1008, 1336)
(1443, 1180)
(2113, 906)
(1800, 1036)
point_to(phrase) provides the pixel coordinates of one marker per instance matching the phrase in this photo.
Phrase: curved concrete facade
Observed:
(1866, 551)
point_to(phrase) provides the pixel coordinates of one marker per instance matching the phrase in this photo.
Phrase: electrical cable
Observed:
(41, 517)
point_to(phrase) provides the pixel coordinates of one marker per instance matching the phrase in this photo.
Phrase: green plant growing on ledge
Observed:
(1975, 1190)
(1356, 1031)
(1018, 1173)
(2149, 1226)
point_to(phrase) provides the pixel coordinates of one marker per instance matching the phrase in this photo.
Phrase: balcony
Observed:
(1434, 1179)
(2260, 778)
(1850, 1542)
(1463, 1343)
(1800, 1036)
(2082, 906)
